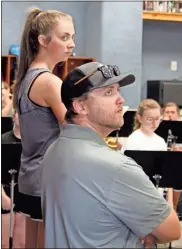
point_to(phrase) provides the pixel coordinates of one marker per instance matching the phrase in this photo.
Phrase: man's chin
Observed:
(120, 125)
(116, 127)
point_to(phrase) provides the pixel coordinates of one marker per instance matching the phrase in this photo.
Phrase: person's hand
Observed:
(7, 102)
(177, 148)
(119, 146)
(5, 97)
(6, 203)
(148, 241)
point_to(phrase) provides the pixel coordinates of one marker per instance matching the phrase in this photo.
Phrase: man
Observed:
(171, 111)
(93, 196)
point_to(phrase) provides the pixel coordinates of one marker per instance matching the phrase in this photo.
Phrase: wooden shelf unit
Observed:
(162, 16)
(61, 69)
(6, 67)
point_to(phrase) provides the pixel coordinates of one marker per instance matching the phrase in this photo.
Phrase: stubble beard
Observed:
(109, 121)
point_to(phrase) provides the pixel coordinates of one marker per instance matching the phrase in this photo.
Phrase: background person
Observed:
(12, 136)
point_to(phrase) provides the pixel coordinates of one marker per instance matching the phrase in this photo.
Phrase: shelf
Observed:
(162, 16)
(80, 58)
(8, 55)
(61, 69)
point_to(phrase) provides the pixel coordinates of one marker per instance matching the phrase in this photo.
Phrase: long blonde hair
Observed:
(37, 22)
(145, 104)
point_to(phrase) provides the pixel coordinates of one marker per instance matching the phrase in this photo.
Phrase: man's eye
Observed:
(109, 92)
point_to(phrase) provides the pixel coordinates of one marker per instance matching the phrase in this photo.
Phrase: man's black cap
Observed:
(99, 76)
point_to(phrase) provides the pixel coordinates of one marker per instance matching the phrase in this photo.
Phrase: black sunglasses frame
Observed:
(107, 71)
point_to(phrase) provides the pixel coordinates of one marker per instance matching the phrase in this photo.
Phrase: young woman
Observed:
(147, 120)
(48, 38)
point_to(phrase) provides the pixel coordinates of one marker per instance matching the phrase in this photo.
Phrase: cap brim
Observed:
(122, 80)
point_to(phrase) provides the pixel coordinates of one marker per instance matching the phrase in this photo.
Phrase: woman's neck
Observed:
(42, 62)
(146, 132)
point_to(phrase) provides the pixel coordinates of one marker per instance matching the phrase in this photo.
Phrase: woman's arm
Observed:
(52, 98)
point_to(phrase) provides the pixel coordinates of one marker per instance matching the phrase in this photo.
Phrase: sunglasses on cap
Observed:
(107, 71)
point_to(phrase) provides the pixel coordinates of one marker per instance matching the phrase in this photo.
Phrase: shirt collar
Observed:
(81, 132)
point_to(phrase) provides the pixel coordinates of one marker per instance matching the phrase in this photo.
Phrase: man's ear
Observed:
(42, 39)
(79, 106)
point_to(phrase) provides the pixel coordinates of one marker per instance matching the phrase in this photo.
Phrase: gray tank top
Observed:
(39, 128)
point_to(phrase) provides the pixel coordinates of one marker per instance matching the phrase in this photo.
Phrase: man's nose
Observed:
(121, 100)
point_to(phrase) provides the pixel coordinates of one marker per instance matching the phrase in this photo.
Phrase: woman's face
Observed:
(62, 41)
(150, 119)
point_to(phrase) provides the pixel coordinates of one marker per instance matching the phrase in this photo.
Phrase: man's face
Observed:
(171, 113)
(104, 107)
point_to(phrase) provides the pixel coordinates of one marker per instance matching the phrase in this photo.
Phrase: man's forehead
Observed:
(116, 85)
(169, 108)
(113, 86)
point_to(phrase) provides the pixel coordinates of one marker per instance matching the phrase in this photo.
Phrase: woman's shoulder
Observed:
(134, 136)
(159, 137)
(49, 77)
(48, 81)
(131, 142)
(160, 140)
(135, 133)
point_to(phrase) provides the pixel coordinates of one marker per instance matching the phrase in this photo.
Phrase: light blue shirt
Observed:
(95, 197)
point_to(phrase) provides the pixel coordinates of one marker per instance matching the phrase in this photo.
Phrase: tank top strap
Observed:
(33, 76)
